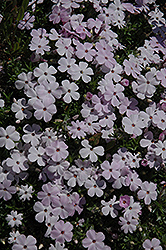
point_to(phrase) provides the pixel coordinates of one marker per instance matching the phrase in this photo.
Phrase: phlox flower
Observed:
(58, 246)
(65, 64)
(39, 33)
(91, 152)
(57, 150)
(147, 192)
(62, 231)
(128, 223)
(37, 154)
(49, 135)
(145, 85)
(13, 236)
(85, 51)
(160, 149)
(43, 211)
(69, 89)
(110, 170)
(17, 162)
(111, 207)
(64, 47)
(24, 80)
(39, 45)
(133, 124)
(94, 188)
(63, 206)
(114, 94)
(152, 244)
(159, 119)
(14, 219)
(44, 109)
(115, 73)
(54, 35)
(133, 209)
(93, 240)
(50, 222)
(48, 194)
(100, 104)
(32, 134)
(21, 109)
(133, 181)
(58, 14)
(6, 190)
(26, 22)
(91, 125)
(161, 75)
(8, 136)
(72, 177)
(3, 175)
(77, 202)
(71, 3)
(77, 130)
(124, 201)
(25, 192)
(132, 66)
(45, 73)
(82, 70)
(25, 243)
(48, 91)
(58, 167)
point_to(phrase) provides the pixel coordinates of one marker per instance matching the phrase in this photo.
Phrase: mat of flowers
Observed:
(83, 125)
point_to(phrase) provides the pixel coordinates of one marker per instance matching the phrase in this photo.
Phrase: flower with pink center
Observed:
(145, 85)
(94, 241)
(133, 181)
(77, 130)
(62, 231)
(124, 201)
(153, 244)
(17, 162)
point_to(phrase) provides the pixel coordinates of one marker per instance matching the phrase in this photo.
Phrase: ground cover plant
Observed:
(83, 124)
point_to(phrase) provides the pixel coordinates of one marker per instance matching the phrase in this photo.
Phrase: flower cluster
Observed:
(105, 151)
